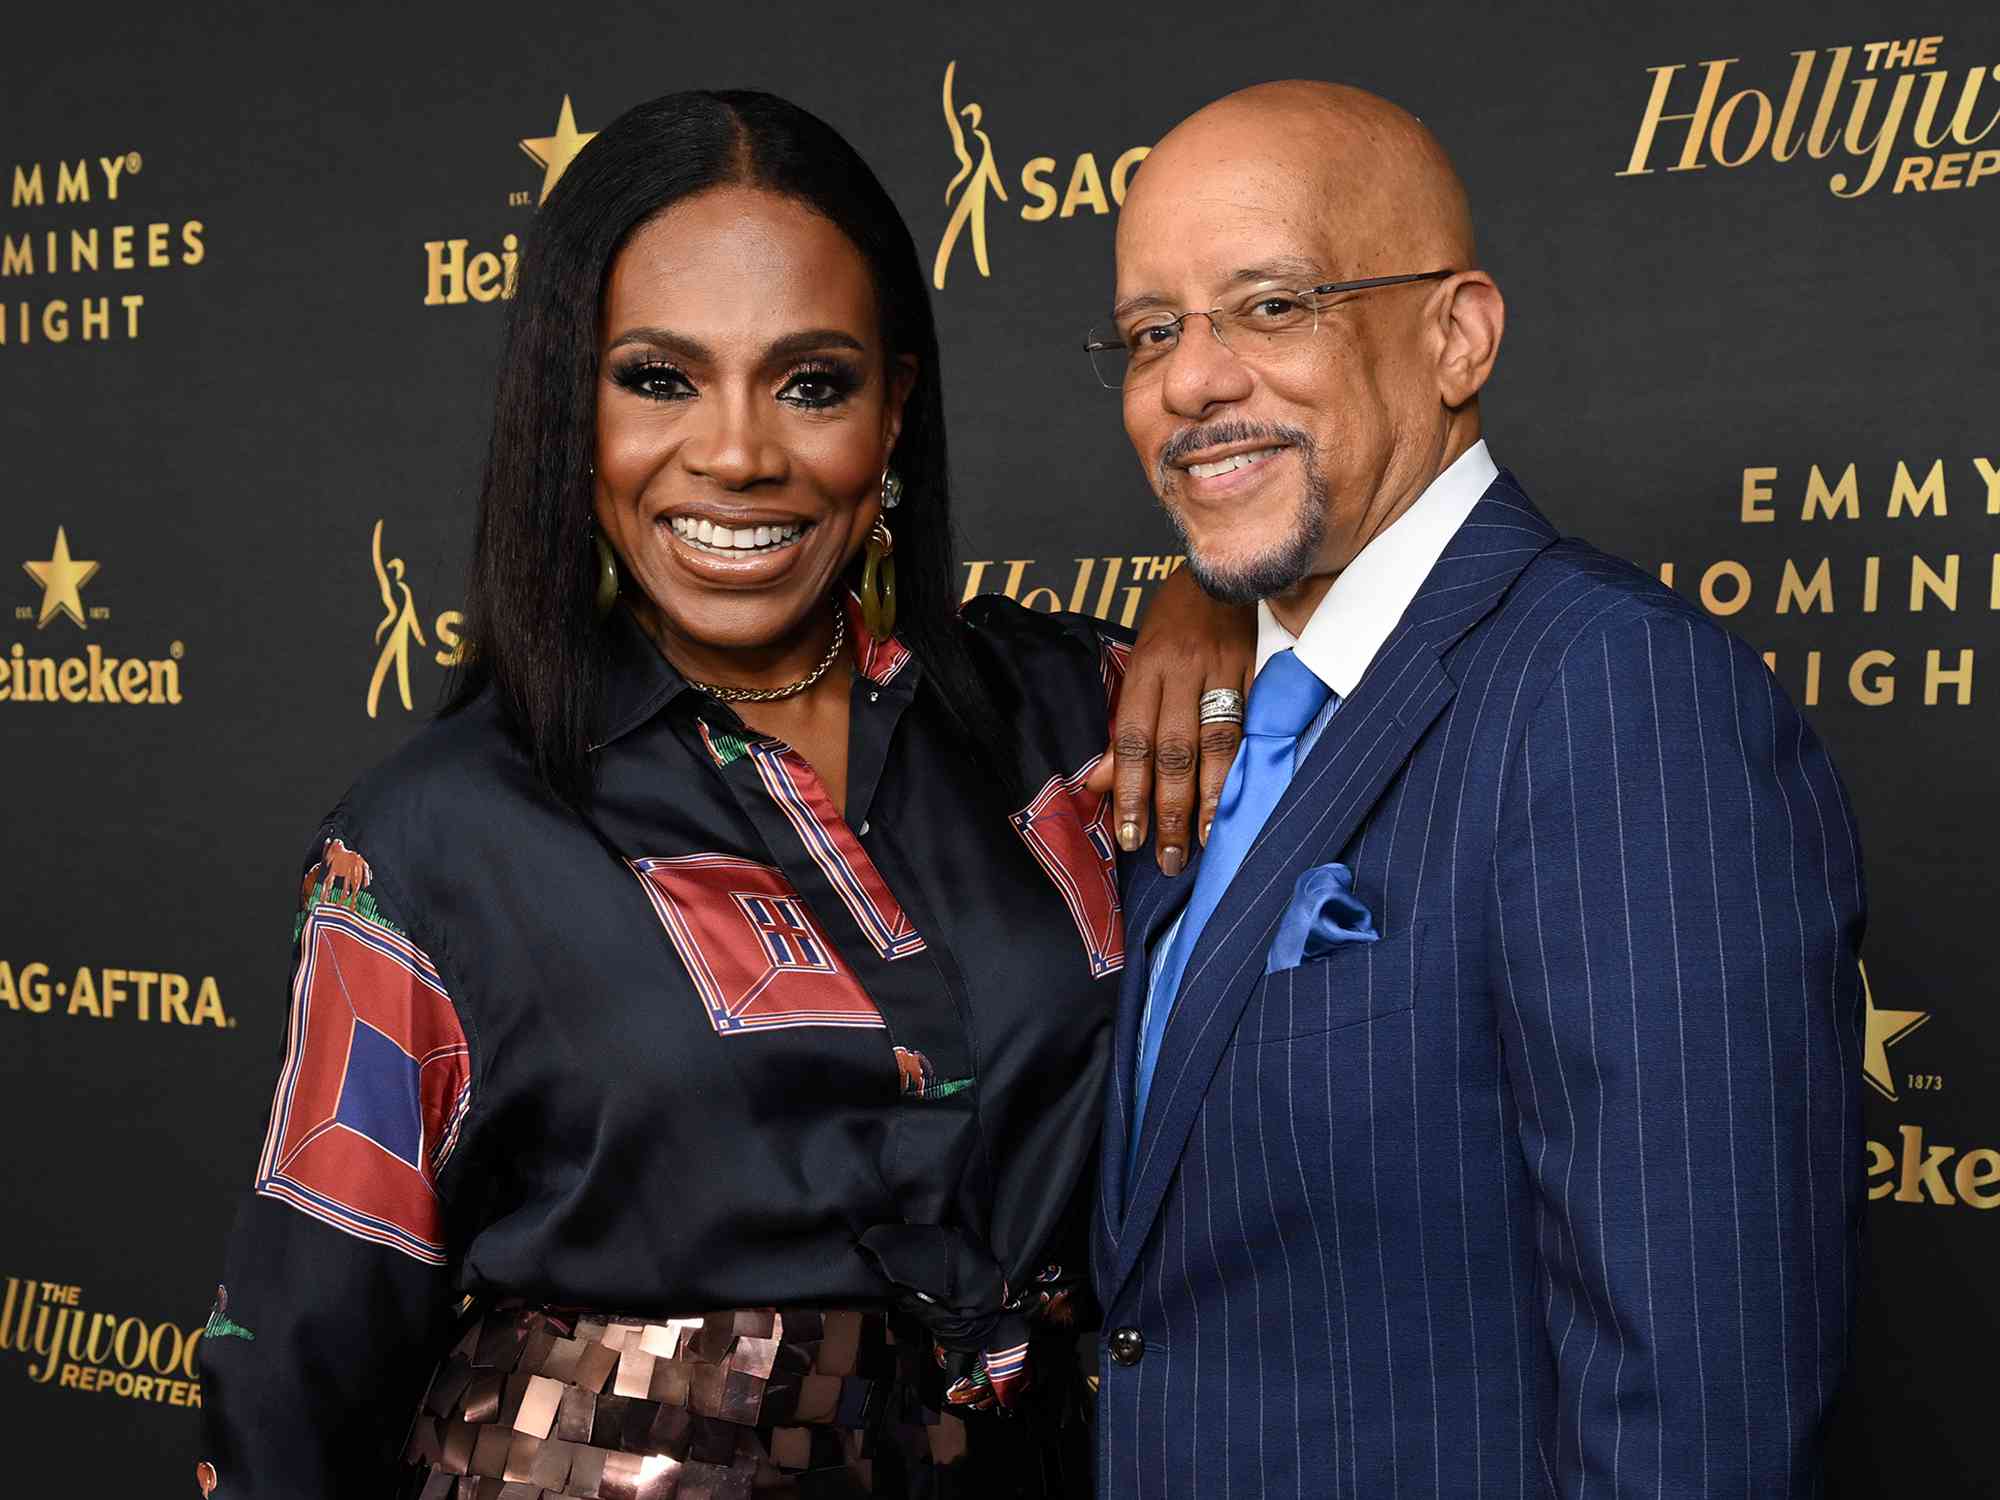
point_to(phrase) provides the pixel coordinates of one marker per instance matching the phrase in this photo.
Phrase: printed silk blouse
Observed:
(710, 1045)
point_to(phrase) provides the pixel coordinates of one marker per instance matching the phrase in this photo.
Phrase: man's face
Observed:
(1275, 455)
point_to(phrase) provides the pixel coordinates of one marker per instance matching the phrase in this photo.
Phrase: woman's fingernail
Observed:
(1172, 861)
(1204, 832)
(1128, 837)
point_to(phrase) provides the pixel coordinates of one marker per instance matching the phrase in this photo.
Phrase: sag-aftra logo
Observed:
(979, 182)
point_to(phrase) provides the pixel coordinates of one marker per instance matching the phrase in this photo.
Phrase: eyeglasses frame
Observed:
(1314, 293)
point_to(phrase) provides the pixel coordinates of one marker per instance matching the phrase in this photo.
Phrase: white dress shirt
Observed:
(1373, 591)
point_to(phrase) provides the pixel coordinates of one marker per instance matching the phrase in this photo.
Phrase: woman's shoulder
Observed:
(449, 787)
(1057, 674)
(1032, 642)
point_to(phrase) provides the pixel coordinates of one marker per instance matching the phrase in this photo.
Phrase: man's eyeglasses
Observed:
(1124, 352)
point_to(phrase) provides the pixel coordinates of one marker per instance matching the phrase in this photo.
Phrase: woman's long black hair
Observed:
(534, 634)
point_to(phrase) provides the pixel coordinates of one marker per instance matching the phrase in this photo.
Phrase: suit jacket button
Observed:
(1127, 1345)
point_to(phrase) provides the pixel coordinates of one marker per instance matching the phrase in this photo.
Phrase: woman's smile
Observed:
(736, 549)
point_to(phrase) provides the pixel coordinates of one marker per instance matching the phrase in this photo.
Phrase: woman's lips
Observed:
(725, 562)
(723, 540)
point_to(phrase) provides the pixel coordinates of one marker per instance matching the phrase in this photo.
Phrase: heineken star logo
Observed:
(62, 578)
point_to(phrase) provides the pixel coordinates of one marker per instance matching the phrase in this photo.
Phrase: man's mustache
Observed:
(1192, 440)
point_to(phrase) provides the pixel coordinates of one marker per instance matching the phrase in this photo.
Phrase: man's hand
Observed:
(1161, 759)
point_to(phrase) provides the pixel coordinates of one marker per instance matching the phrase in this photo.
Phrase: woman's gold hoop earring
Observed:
(607, 574)
(878, 582)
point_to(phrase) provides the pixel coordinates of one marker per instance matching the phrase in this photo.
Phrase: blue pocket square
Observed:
(1323, 914)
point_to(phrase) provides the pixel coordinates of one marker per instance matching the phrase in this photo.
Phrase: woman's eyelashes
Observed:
(816, 385)
(819, 384)
(654, 379)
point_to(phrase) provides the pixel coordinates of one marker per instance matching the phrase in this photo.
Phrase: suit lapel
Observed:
(1151, 900)
(1363, 747)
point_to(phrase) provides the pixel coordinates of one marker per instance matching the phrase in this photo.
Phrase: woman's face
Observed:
(745, 409)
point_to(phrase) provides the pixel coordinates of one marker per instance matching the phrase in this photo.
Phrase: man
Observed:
(1483, 1119)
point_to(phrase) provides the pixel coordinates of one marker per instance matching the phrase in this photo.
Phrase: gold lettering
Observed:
(1656, 116)
(1922, 1176)
(83, 995)
(1713, 601)
(208, 1004)
(27, 186)
(1843, 499)
(1872, 692)
(1906, 494)
(1757, 495)
(1085, 188)
(1794, 594)
(1035, 182)
(173, 999)
(1977, 1169)
(483, 276)
(446, 626)
(1884, 139)
(1923, 579)
(73, 182)
(445, 272)
(1725, 117)
(1935, 677)
(1122, 170)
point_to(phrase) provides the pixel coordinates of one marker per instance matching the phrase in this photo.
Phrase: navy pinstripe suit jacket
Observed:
(1554, 1189)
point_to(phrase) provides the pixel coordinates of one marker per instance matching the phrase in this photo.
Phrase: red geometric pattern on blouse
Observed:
(879, 661)
(1069, 831)
(751, 946)
(375, 1085)
(803, 798)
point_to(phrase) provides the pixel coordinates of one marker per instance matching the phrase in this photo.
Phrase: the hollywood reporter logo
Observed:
(1871, 104)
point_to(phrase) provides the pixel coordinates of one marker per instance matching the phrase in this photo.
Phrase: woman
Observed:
(698, 1032)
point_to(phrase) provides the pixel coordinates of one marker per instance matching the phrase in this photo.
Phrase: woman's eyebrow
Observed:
(793, 344)
(663, 338)
(787, 347)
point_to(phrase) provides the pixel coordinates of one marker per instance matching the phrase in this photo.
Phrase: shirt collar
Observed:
(1374, 590)
(639, 681)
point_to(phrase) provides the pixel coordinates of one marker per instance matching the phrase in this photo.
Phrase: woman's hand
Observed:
(1161, 757)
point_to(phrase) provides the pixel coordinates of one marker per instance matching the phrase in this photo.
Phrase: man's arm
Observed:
(1677, 906)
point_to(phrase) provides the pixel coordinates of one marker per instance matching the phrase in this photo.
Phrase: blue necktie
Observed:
(1284, 700)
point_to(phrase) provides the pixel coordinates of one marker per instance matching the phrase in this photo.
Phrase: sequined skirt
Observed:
(534, 1402)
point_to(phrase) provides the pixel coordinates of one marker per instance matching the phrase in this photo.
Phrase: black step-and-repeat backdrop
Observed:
(252, 270)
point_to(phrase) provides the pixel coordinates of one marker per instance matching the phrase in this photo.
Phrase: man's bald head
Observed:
(1370, 165)
(1287, 188)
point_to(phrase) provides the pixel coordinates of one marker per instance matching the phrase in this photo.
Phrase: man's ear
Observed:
(1471, 318)
(902, 380)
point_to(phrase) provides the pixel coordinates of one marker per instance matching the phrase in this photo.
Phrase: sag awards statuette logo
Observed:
(979, 180)
(401, 627)
(46, 253)
(94, 676)
(69, 1347)
(1888, 515)
(451, 277)
(1863, 118)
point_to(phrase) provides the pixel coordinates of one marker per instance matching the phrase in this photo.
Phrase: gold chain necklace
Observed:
(790, 689)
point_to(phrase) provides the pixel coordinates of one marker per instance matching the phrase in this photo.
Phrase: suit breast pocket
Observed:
(1354, 984)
